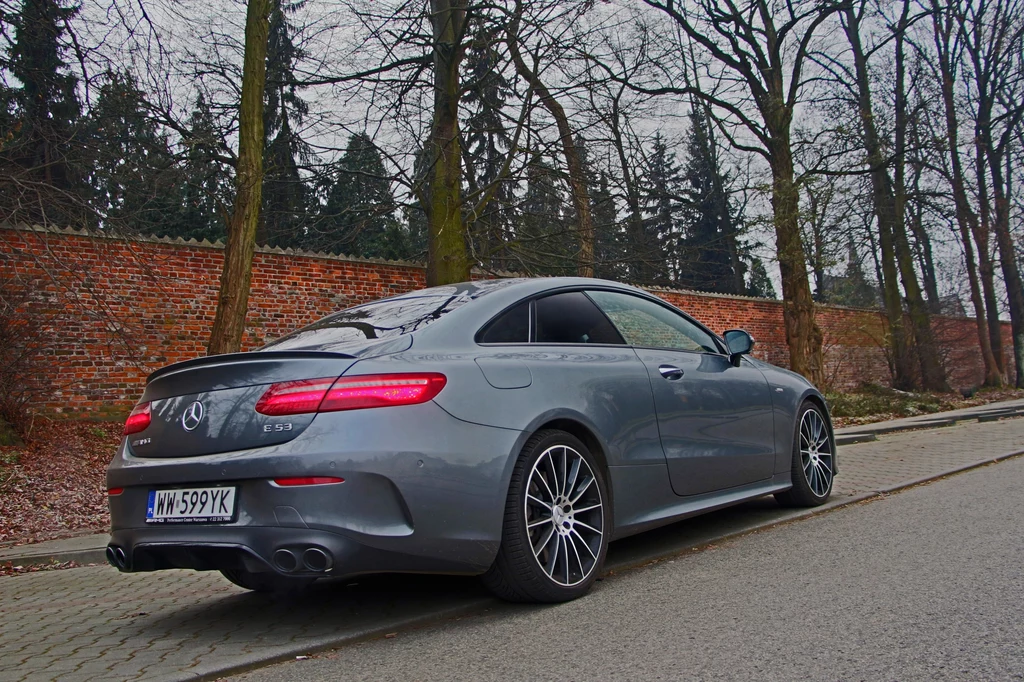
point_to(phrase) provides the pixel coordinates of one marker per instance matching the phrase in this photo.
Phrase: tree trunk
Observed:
(233, 300)
(639, 270)
(985, 264)
(1008, 262)
(885, 212)
(966, 218)
(933, 374)
(577, 175)
(803, 335)
(447, 255)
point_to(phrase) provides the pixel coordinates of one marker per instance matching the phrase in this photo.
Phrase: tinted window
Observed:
(387, 318)
(572, 318)
(511, 327)
(650, 325)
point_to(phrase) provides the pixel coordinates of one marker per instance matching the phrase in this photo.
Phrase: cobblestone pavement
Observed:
(94, 623)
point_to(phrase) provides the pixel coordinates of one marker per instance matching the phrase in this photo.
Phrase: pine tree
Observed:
(43, 114)
(486, 144)
(607, 243)
(286, 198)
(712, 260)
(657, 255)
(852, 288)
(359, 216)
(760, 285)
(608, 256)
(205, 185)
(545, 244)
(133, 176)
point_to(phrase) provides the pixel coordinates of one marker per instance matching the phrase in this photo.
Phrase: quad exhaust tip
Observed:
(313, 559)
(317, 560)
(285, 560)
(116, 557)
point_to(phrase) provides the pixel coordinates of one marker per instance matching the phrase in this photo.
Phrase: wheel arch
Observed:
(576, 426)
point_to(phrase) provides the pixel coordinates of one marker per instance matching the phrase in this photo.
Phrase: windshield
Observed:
(387, 318)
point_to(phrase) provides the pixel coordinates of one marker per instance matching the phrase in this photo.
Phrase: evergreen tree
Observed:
(205, 185)
(760, 285)
(414, 213)
(133, 177)
(286, 198)
(545, 244)
(852, 288)
(712, 255)
(486, 144)
(608, 246)
(41, 118)
(658, 254)
(359, 216)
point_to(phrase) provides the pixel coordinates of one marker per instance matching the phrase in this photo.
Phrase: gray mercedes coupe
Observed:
(507, 428)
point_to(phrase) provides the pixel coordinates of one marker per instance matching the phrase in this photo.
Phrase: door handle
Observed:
(670, 372)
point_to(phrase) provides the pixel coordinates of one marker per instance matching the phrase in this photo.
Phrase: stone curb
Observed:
(238, 665)
(79, 556)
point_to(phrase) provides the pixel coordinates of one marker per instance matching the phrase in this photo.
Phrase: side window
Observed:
(572, 318)
(513, 326)
(647, 324)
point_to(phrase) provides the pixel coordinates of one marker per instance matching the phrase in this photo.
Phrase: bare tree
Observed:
(889, 196)
(233, 299)
(759, 52)
(945, 61)
(577, 175)
(992, 32)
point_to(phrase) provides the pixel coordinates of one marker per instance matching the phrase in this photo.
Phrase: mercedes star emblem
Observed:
(192, 417)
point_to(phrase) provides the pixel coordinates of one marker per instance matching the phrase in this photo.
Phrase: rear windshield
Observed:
(387, 318)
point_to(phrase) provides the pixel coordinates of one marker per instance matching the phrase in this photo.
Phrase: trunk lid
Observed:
(206, 406)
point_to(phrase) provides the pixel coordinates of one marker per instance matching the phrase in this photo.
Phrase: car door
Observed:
(714, 416)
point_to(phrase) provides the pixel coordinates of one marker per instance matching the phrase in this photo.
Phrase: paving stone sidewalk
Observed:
(94, 623)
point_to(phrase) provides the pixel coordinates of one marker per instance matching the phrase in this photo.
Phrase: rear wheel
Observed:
(266, 582)
(814, 460)
(555, 535)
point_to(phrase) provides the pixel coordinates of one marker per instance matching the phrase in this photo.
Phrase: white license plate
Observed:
(191, 505)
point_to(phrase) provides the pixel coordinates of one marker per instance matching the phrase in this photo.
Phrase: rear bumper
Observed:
(287, 551)
(422, 492)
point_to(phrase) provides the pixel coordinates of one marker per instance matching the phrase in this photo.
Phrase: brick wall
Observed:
(109, 311)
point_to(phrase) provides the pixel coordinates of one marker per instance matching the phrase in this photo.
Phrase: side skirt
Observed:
(669, 509)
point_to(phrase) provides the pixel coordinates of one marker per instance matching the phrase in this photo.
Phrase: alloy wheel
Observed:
(817, 454)
(564, 515)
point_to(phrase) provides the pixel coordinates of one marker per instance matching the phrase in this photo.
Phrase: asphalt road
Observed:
(926, 584)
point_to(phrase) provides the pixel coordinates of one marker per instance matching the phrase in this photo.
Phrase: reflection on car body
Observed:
(506, 428)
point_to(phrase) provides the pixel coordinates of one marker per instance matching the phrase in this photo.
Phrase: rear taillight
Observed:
(382, 390)
(138, 420)
(293, 397)
(115, 491)
(350, 393)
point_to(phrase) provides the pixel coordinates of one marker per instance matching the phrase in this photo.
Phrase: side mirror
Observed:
(739, 343)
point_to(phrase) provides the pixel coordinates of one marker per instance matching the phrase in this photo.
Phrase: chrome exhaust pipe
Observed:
(317, 560)
(116, 557)
(285, 560)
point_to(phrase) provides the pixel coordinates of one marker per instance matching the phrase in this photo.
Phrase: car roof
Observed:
(490, 298)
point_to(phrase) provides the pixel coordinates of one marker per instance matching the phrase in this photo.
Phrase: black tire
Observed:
(814, 459)
(523, 573)
(267, 582)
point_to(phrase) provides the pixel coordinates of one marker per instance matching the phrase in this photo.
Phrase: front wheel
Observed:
(555, 534)
(814, 460)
